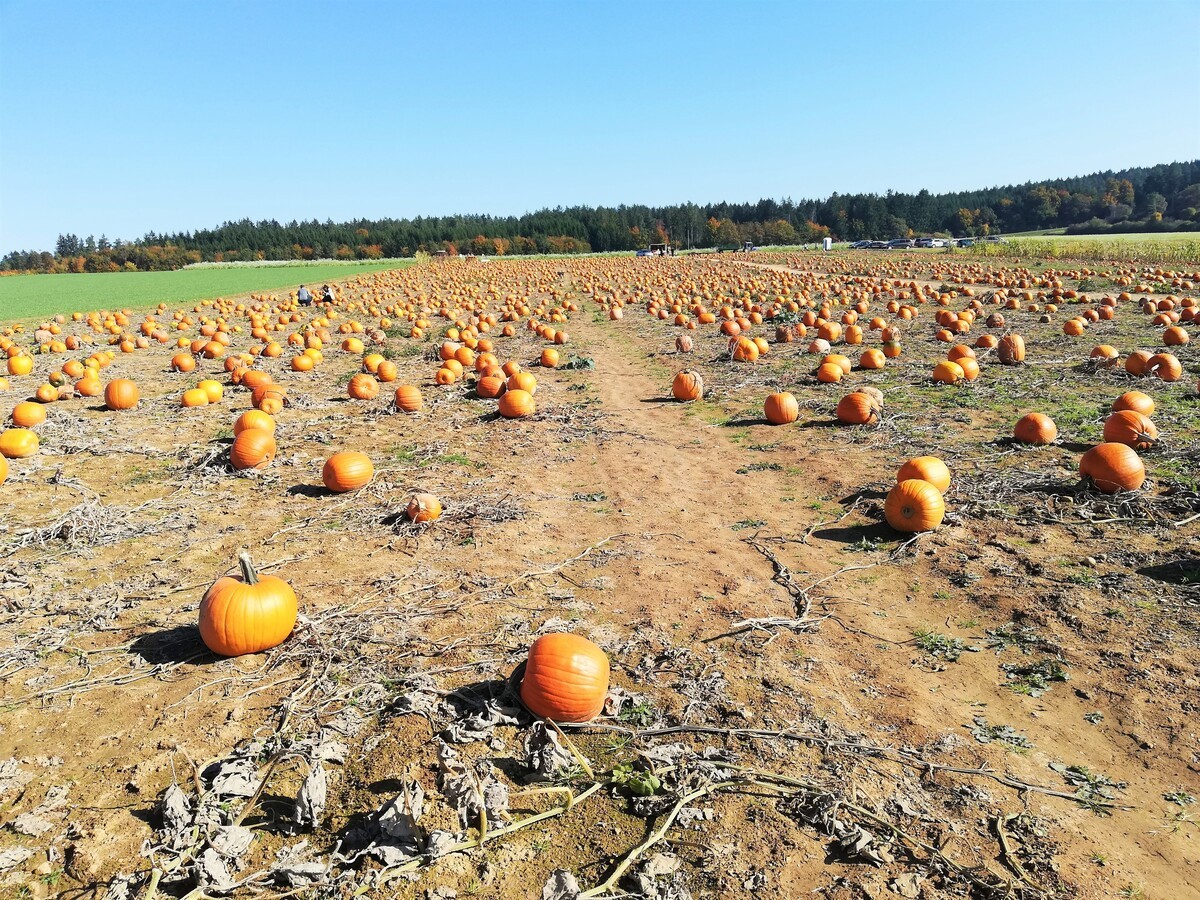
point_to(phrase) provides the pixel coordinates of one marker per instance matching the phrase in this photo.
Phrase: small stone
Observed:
(43, 868)
(1089, 561)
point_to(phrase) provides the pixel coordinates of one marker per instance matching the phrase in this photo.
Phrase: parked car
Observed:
(900, 244)
(924, 242)
(937, 242)
(965, 242)
(860, 245)
(877, 245)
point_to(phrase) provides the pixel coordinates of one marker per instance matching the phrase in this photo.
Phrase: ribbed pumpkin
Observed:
(829, 373)
(549, 358)
(3, 470)
(516, 404)
(423, 508)
(1137, 361)
(121, 394)
(490, 387)
(363, 387)
(1135, 400)
(1112, 468)
(566, 678)
(687, 385)
(28, 415)
(213, 388)
(408, 398)
(252, 449)
(1011, 349)
(1165, 366)
(914, 505)
(247, 614)
(1131, 429)
(89, 386)
(857, 408)
(347, 471)
(522, 381)
(781, 409)
(18, 443)
(872, 359)
(926, 468)
(1105, 356)
(1035, 428)
(253, 418)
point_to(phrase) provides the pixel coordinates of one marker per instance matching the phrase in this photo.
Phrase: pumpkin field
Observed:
(772, 574)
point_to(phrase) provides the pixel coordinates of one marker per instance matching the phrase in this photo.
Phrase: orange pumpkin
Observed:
(194, 397)
(566, 678)
(926, 468)
(28, 415)
(1130, 428)
(490, 387)
(781, 409)
(363, 387)
(252, 449)
(1113, 467)
(914, 505)
(687, 385)
(253, 418)
(347, 471)
(121, 394)
(1035, 428)
(423, 508)
(247, 614)
(18, 443)
(1165, 366)
(1135, 400)
(1011, 349)
(517, 404)
(408, 398)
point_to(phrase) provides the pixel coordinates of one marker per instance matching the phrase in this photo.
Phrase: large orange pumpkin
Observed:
(408, 398)
(252, 449)
(566, 678)
(1035, 428)
(926, 468)
(1113, 467)
(1135, 400)
(121, 393)
(1011, 349)
(687, 385)
(1131, 429)
(18, 443)
(857, 408)
(781, 409)
(914, 505)
(363, 387)
(347, 471)
(516, 404)
(28, 415)
(247, 614)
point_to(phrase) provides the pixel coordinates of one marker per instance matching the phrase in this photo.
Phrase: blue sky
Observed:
(121, 118)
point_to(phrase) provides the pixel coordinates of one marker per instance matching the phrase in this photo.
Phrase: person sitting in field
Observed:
(304, 296)
(326, 294)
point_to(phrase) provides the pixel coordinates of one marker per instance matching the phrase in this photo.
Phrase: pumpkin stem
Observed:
(248, 574)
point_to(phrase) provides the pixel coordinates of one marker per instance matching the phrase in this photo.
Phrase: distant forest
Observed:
(1156, 198)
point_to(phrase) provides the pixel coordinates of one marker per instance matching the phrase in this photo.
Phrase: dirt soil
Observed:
(1006, 704)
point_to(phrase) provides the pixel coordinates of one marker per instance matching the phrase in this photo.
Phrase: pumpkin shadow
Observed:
(876, 533)
(659, 400)
(1182, 572)
(743, 423)
(493, 416)
(822, 423)
(309, 490)
(864, 494)
(1075, 447)
(174, 645)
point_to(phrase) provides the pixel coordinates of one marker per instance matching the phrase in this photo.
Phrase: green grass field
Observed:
(1172, 237)
(40, 296)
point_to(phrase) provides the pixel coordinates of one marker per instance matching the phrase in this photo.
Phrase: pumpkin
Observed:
(969, 366)
(347, 471)
(254, 448)
(89, 386)
(247, 614)
(387, 371)
(194, 397)
(926, 468)
(253, 418)
(1135, 400)
(1035, 428)
(687, 385)
(1165, 366)
(838, 359)
(549, 358)
(1105, 356)
(20, 364)
(858, 408)
(213, 388)
(423, 508)
(522, 381)
(3, 470)
(1011, 349)
(1130, 428)
(28, 415)
(684, 343)
(363, 387)
(872, 359)
(490, 387)
(947, 372)
(959, 351)
(1113, 467)
(270, 398)
(566, 678)
(1137, 361)
(408, 398)
(121, 394)
(781, 409)
(516, 404)
(18, 443)
(1175, 336)
(914, 505)
(829, 373)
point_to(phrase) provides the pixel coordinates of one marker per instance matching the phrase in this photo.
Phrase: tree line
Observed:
(1164, 197)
